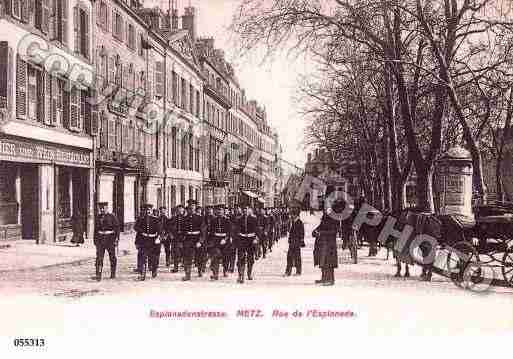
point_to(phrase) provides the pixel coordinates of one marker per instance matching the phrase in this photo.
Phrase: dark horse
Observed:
(420, 222)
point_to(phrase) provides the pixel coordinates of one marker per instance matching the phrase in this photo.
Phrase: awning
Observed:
(250, 194)
(261, 200)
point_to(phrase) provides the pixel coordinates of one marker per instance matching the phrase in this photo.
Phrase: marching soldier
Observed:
(236, 213)
(247, 243)
(177, 230)
(106, 237)
(296, 242)
(218, 241)
(165, 239)
(271, 225)
(138, 244)
(148, 227)
(262, 230)
(192, 239)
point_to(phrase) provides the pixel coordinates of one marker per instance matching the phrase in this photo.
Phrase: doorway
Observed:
(29, 201)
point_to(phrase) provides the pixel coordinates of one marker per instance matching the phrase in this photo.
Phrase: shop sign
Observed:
(43, 152)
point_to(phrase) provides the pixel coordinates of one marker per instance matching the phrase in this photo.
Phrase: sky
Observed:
(272, 84)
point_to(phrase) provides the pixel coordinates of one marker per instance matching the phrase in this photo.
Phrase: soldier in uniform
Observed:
(247, 242)
(193, 225)
(236, 213)
(218, 231)
(296, 242)
(165, 239)
(138, 244)
(176, 227)
(262, 231)
(325, 247)
(106, 237)
(148, 228)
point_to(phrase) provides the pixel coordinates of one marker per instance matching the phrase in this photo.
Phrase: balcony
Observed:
(218, 96)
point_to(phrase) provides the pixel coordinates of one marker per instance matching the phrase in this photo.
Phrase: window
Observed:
(34, 101)
(197, 104)
(184, 94)
(197, 160)
(174, 141)
(191, 152)
(191, 192)
(183, 151)
(131, 36)
(182, 194)
(103, 16)
(81, 26)
(191, 99)
(173, 196)
(104, 130)
(140, 41)
(159, 79)
(117, 26)
(111, 131)
(42, 15)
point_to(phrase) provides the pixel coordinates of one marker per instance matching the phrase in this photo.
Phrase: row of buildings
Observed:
(109, 101)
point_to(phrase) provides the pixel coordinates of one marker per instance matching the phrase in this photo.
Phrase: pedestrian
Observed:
(271, 226)
(193, 225)
(148, 227)
(247, 243)
(78, 228)
(325, 247)
(139, 243)
(296, 242)
(106, 236)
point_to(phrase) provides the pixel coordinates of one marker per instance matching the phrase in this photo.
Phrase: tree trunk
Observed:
(424, 189)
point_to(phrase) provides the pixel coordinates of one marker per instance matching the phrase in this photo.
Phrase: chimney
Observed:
(174, 19)
(189, 22)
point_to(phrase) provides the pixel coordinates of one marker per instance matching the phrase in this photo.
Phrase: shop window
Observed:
(64, 197)
(8, 204)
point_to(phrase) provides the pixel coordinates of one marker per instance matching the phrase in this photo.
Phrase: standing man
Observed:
(106, 237)
(272, 224)
(218, 231)
(247, 243)
(296, 242)
(262, 230)
(177, 230)
(192, 239)
(139, 243)
(165, 239)
(148, 227)
(234, 220)
(325, 247)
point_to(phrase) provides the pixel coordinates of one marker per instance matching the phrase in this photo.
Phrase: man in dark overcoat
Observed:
(106, 237)
(296, 242)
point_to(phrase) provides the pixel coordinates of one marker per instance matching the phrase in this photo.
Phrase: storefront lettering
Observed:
(43, 152)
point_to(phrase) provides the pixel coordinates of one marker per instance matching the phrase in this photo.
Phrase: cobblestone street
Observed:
(368, 289)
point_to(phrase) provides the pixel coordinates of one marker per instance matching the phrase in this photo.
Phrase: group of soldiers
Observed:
(194, 236)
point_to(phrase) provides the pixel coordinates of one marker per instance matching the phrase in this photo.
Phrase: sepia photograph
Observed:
(241, 178)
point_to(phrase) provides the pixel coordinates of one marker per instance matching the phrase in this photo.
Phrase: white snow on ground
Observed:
(384, 306)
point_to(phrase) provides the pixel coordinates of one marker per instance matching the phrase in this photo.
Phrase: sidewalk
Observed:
(27, 255)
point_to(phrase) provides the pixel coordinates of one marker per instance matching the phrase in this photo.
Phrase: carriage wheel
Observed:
(460, 256)
(353, 246)
(507, 266)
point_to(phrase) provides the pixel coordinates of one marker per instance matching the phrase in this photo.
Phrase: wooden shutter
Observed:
(45, 16)
(65, 109)
(57, 101)
(74, 109)
(87, 112)
(159, 78)
(21, 88)
(94, 121)
(5, 75)
(41, 99)
(25, 10)
(48, 110)
(76, 28)
(85, 31)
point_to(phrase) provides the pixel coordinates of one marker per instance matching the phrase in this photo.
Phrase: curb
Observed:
(78, 262)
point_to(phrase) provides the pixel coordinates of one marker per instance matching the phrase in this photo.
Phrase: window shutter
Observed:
(56, 101)
(5, 75)
(112, 70)
(85, 37)
(63, 21)
(41, 98)
(94, 121)
(21, 88)
(87, 108)
(114, 30)
(48, 109)
(159, 78)
(24, 10)
(76, 28)
(45, 15)
(74, 109)
(107, 18)
(65, 109)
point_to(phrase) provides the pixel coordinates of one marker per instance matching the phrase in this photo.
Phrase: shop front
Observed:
(121, 181)
(44, 189)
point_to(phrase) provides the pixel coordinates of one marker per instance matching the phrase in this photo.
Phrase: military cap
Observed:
(220, 206)
(103, 204)
(162, 207)
(192, 202)
(147, 206)
(179, 206)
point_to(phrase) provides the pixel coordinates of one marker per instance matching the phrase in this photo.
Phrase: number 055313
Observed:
(29, 342)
